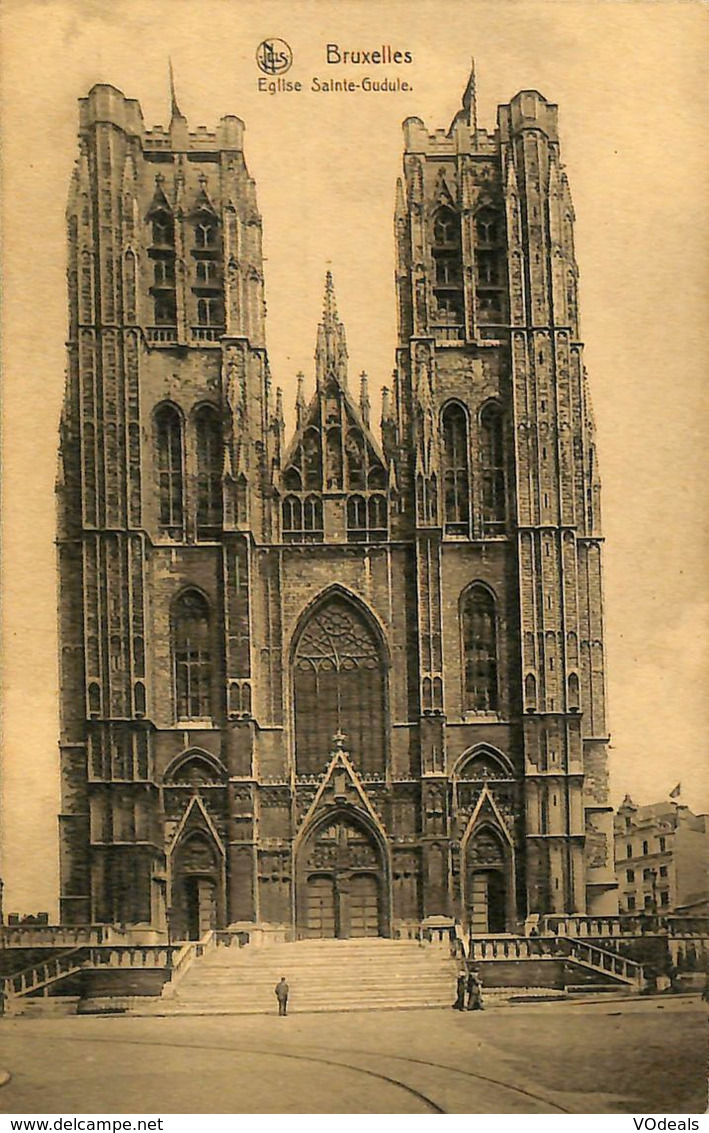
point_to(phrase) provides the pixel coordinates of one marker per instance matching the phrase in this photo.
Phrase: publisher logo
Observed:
(274, 57)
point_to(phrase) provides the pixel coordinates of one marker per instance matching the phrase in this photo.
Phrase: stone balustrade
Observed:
(56, 936)
(40, 975)
(554, 948)
(624, 925)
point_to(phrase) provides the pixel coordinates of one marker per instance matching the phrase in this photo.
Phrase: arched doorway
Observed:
(488, 882)
(341, 887)
(197, 887)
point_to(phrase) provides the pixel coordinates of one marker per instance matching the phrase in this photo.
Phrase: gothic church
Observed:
(337, 684)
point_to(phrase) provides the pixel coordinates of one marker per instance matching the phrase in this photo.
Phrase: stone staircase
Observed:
(323, 975)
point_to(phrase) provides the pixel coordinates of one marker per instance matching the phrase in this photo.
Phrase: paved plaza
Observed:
(635, 1056)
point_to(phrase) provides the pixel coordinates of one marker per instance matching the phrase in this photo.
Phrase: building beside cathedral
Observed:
(335, 684)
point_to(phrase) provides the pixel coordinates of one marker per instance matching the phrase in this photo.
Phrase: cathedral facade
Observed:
(340, 683)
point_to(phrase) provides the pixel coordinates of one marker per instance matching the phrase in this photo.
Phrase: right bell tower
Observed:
(492, 438)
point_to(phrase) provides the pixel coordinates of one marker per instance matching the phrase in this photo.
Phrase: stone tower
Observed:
(337, 686)
(168, 440)
(495, 443)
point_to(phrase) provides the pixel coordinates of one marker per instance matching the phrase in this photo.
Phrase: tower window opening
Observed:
(162, 253)
(205, 234)
(490, 266)
(165, 310)
(492, 460)
(210, 312)
(479, 628)
(446, 250)
(169, 461)
(192, 657)
(455, 470)
(206, 273)
(163, 230)
(164, 273)
(210, 457)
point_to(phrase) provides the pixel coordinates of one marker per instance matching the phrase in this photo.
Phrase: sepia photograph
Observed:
(354, 545)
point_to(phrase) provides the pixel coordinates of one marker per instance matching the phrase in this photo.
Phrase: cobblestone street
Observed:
(607, 1057)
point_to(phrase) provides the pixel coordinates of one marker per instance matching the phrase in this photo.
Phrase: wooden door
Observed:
(363, 905)
(320, 907)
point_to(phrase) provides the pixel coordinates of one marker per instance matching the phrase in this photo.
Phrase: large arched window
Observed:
(492, 460)
(192, 656)
(339, 686)
(479, 651)
(455, 470)
(168, 443)
(208, 432)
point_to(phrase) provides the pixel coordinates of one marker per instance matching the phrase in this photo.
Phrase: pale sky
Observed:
(632, 83)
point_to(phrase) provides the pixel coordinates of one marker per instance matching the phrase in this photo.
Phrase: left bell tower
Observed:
(168, 445)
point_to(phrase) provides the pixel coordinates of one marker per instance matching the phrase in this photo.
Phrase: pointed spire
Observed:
(364, 406)
(331, 349)
(279, 406)
(300, 405)
(400, 207)
(470, 102)
(329, 304)
(175, 111)
(386, 405)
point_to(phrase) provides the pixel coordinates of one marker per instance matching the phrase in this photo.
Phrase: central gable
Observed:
(335, 481)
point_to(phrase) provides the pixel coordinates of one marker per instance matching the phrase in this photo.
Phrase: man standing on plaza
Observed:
(281, 990)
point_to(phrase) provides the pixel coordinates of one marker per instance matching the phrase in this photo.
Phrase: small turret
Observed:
(364, 404)
(300, 403)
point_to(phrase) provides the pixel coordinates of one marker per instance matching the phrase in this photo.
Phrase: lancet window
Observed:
(492, 471)
(162, 255)
(207, 286)
(490, 266)
(479, 629)
(208, 436)
(192, 656)
(446, 251)
(302, 518)
(169, 462)
(456, 481)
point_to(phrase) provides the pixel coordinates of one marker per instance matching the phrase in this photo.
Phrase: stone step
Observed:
(225, 971)
(323, 975)
(585, 989)
(439, 992)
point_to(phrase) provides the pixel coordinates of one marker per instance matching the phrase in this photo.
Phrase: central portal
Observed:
(341, 882)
